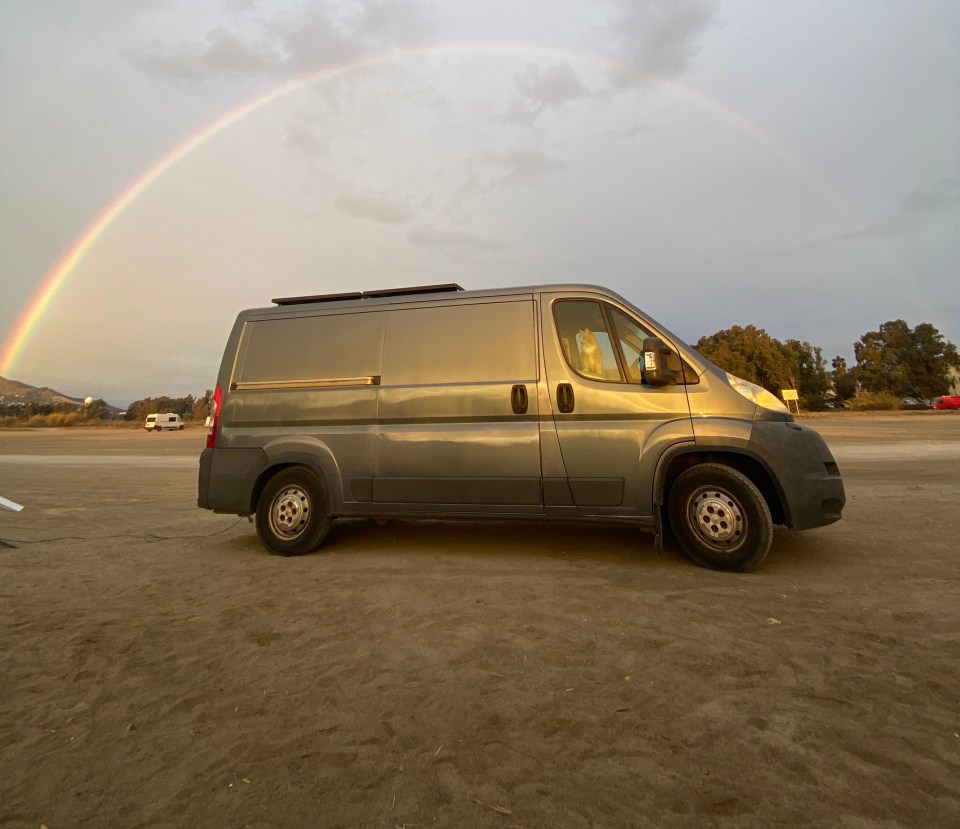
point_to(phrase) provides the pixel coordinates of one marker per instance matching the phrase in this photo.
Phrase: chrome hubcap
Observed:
(718, 518)
(289, 512)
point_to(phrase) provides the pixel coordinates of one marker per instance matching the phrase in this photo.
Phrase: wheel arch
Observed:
(312, 454)
(746, 463)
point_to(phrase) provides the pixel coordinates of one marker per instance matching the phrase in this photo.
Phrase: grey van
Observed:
(553, 401)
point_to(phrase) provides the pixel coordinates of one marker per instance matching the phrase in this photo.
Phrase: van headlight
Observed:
(756, 394)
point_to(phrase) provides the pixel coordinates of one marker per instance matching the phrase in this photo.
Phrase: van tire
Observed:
(719, 518)
(293, 512)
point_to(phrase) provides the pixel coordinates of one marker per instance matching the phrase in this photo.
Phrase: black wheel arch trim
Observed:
(315, 456)
(771, 488)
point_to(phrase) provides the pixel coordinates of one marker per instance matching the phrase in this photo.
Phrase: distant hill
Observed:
(13, 392)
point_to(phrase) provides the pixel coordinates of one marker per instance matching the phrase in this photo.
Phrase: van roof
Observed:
(418, 293)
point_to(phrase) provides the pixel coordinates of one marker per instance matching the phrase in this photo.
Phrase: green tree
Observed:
(188, 407)
(844, 383)
(97, 410)
(201, 406)
(902, 361)
(809, 374)
(751, 353)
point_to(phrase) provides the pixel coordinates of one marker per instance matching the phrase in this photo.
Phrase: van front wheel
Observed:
(293, 512)
(719, 518)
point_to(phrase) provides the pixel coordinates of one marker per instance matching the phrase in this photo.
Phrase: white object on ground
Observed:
(10, 505)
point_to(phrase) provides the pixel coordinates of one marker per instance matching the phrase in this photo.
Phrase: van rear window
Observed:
(475, 343)
(300, 349)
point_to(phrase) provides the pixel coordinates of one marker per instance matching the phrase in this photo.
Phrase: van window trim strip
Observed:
(339, 382)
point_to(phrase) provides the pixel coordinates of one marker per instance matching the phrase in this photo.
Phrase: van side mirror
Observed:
(656, 362)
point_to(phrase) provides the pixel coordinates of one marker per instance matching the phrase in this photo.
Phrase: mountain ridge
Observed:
(13, 392)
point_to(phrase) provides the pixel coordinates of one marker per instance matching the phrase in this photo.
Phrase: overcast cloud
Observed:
(791, 165)
(279, 40)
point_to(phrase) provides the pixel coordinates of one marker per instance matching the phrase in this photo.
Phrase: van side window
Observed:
(601, 342)
(585, 340)
(319, 347)
(630, 335)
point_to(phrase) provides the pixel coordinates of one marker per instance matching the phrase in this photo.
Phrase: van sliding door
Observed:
(458, 412)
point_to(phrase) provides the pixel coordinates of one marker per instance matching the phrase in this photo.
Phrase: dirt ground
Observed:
(159, 669)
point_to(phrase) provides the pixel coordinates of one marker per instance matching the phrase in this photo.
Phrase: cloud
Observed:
(918, 209)
(657, 37)
(305, 142)
(221, 53)
(540, 89)
(942, 198)
(372, 206)
(428, 237)
(642, 37)
(520, 166)
(392, 21)
(627, 133)
(317, 34)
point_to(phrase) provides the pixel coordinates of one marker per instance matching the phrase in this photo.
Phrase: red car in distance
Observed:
(950, 401)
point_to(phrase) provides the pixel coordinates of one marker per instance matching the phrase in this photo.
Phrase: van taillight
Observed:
(214, 419)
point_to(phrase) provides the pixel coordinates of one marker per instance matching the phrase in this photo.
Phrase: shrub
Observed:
(874, 401)
(813, 403)
(53, 419)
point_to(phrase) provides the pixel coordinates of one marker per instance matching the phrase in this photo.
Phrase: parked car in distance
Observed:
(948, 401)
(912, 403)
(159, 422)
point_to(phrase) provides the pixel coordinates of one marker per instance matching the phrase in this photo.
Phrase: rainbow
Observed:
(31, 315)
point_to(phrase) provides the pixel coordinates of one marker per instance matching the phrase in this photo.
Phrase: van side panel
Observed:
(307, 381)
(450, 430)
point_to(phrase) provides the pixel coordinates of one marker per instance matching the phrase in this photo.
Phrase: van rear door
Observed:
(611, 427)
(458, 412)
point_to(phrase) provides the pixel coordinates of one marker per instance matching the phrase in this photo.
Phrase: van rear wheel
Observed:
(293, 512)
(719, 518)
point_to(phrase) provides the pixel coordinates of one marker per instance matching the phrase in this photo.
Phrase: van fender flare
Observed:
(738, 455)
(303, 451)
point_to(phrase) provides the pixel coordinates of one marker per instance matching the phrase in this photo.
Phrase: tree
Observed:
(751, 353)
(904, 362)
(844, 383)
(183, 406)
(97, 410)
(201, 406)
(810, 372)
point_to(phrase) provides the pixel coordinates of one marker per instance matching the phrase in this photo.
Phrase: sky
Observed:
(165, 164)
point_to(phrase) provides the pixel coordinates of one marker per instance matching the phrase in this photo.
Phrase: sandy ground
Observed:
(158, 668)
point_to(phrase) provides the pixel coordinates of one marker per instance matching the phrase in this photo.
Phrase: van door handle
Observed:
(518, 397)
(565, 399)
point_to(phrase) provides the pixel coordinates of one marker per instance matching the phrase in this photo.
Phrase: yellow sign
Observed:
(789, 394)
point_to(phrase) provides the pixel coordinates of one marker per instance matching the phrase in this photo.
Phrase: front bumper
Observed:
(805, 473)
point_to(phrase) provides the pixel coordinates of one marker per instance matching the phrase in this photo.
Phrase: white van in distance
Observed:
(159, 422)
